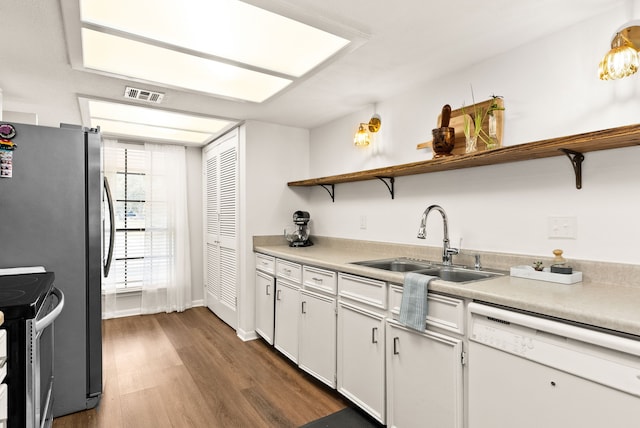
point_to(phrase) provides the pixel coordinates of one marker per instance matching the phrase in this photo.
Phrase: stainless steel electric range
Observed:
(30, 303)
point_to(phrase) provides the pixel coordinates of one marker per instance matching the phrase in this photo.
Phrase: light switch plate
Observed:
(562, 227)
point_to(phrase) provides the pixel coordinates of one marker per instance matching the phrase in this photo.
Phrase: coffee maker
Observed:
(298, 235)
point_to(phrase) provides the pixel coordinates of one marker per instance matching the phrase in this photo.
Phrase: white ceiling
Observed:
(400, 45)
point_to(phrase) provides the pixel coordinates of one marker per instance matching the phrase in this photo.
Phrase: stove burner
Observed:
(22, 295)
(8, 295)
(24, 279)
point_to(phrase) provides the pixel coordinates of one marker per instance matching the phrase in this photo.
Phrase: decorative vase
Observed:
(493, 134)
(471, 143)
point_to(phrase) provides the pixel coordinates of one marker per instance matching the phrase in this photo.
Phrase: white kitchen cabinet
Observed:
(265, 296)
(362, 307)
(424, 378)
(317, 350)
(220, 173)
(287, 318)
(361, 358)
(265, 310)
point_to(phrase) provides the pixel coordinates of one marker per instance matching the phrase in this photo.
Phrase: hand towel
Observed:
(413, 309)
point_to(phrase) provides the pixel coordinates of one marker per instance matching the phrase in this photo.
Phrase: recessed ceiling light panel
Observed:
(117, 119)
(228, 29)
(124, 57)
(227, 48)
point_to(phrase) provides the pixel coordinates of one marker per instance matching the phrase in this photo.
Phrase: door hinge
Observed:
(463, 358)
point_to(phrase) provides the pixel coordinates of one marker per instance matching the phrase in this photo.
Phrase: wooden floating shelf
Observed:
(624, 136)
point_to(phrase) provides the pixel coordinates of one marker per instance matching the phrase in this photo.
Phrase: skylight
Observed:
(151, 124)
(223, 47)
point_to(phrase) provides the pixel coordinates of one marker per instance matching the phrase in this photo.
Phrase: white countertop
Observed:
(614, 307)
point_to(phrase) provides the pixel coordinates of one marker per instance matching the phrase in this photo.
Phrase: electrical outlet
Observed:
(363, 222)
(562, 227)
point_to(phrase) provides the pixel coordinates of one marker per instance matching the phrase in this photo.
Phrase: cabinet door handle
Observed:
(278, 294)
(303, 308)
(318, 280)
(374, 335)
(396, 341)
(267, 290)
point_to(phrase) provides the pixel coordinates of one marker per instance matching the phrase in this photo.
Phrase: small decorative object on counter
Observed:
(560, 264)
(538, 265)
(558, 259)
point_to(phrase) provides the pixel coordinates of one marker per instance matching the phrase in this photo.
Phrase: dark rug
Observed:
(345, 418)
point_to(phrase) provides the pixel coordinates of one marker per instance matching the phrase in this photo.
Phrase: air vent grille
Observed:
(143, 95)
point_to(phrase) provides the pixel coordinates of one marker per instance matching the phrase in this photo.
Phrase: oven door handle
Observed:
(51, 316)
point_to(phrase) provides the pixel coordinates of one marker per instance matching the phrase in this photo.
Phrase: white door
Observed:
(221, 220)
(317, 352)
(424, 379)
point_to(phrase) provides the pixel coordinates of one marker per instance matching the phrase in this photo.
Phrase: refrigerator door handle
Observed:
(112, 230)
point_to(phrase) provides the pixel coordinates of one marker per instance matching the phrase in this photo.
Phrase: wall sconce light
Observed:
(362, 138)
(623, 59)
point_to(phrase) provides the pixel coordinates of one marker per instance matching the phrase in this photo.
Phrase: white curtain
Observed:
(109, 283)
(158, 277)
(166, 285)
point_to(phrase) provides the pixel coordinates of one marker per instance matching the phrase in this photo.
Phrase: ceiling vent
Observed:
(143, 95)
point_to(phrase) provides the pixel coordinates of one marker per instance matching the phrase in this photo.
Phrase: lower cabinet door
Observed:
(265, 293)
(361, 355)
(424, 379)
(286, 330)
(317, 350)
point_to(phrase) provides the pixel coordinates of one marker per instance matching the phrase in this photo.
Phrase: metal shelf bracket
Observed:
(390, 185)
(576, 159)
(331, 192)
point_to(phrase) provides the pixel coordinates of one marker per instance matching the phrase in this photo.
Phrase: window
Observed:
(126, 168)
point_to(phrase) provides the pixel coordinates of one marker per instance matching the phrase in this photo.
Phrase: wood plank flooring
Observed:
(190, 369)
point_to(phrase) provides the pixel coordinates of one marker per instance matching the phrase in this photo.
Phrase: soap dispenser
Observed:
(559, 263)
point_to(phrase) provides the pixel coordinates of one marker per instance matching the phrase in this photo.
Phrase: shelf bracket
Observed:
(390, 185)
(576, 159)
(331, 192)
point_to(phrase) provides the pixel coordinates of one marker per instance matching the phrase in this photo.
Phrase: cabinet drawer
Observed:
(319, 280)
(442, 311)
(289, 270)
(365, 290)
(266, 263)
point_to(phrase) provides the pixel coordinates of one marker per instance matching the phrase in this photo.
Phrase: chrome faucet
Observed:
(447, 252)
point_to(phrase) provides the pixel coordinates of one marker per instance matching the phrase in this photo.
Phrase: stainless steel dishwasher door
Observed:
(531, 372)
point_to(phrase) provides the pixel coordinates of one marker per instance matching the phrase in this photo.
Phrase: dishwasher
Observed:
(529, 371)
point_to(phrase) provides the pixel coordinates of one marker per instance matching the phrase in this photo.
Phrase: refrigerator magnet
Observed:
(7, 131)
(6, 163)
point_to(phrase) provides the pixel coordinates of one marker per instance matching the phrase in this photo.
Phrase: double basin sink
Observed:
(445, 273)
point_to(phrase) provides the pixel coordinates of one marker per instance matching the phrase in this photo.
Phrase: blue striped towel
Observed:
(413, 309)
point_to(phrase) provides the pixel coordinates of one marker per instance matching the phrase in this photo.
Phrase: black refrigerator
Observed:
(50, 215)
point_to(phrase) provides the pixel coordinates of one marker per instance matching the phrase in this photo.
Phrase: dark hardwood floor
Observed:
(190, 369)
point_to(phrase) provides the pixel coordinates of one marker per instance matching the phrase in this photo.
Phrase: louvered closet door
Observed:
(221, 220)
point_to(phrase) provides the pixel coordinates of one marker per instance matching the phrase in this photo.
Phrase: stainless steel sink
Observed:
(445, 273)
(453, 274)
(396, 265)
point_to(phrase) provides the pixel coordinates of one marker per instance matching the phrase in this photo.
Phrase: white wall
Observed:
(270, 155)
(194, 202)
(551, 89)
